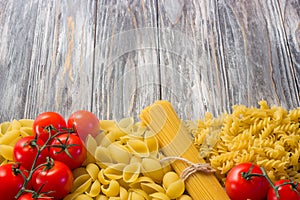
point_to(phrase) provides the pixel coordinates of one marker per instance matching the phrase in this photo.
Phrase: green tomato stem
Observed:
(49, 163)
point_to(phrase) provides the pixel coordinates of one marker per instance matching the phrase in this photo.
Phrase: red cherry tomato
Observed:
(45, 119)
(240, 188)
(25, 152)
(58, 179)
(73, 145)
(11, 181)
(30, 196)
(84, 122)
(285, 191)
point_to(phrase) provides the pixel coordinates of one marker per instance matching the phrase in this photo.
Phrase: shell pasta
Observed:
(124, 163)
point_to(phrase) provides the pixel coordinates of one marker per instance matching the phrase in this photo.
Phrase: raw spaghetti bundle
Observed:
(174, 141)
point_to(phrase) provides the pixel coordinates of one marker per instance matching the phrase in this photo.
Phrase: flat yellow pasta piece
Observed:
(9, 137)
(6, 151)
(26, 122)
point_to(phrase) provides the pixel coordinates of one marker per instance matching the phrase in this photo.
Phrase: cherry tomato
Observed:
(45, 119)
(58, 179)
(73, 145)
(25, 151)
(240, 188)
(11, 181)
(30, 196)
(286, 191)
(84, 122)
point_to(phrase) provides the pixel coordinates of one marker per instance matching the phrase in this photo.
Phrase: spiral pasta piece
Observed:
(267, 136)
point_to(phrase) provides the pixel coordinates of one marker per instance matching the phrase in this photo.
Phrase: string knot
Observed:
(192, 168)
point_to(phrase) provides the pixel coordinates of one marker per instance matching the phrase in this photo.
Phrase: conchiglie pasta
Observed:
(119, 153)
(112, 189)
(131, 172)
(175, 189)
(138, 147)
(127, 164)
(153, 169)
(95, 189)
(93, 170)
(151, 188)
(159, 196)
(114, 171)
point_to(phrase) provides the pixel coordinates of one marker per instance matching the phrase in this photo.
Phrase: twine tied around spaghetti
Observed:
(192, 168)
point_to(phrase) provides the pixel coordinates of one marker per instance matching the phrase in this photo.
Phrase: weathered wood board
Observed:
(116, 57)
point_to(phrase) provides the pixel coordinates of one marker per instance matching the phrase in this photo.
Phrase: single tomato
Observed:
(85, 123)
(287, 190)
(69, 149)
(56, 179)
(11, 180)
(239, 186)
(46, 119)
(30, 196)
(26, 150)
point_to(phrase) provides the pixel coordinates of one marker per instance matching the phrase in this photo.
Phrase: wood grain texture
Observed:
(230, 52)
(17, 25)
(53, 71)
(126, 58)
(256, 53)
(290, 12)
(191, 59)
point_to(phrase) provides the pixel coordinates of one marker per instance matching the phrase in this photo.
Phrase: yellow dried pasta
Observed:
(10, 133)
(267, 136)
(127, 165)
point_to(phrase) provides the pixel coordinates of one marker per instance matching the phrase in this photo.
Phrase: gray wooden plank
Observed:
(290, 12)
(61, 67)
(221, 53)
(17, 25)
(257, 60)
(192, 69)
(126, 65)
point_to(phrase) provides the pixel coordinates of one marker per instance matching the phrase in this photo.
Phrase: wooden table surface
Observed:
(116, 57)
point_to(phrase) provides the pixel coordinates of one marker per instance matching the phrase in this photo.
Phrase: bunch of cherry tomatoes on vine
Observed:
(43, 162)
